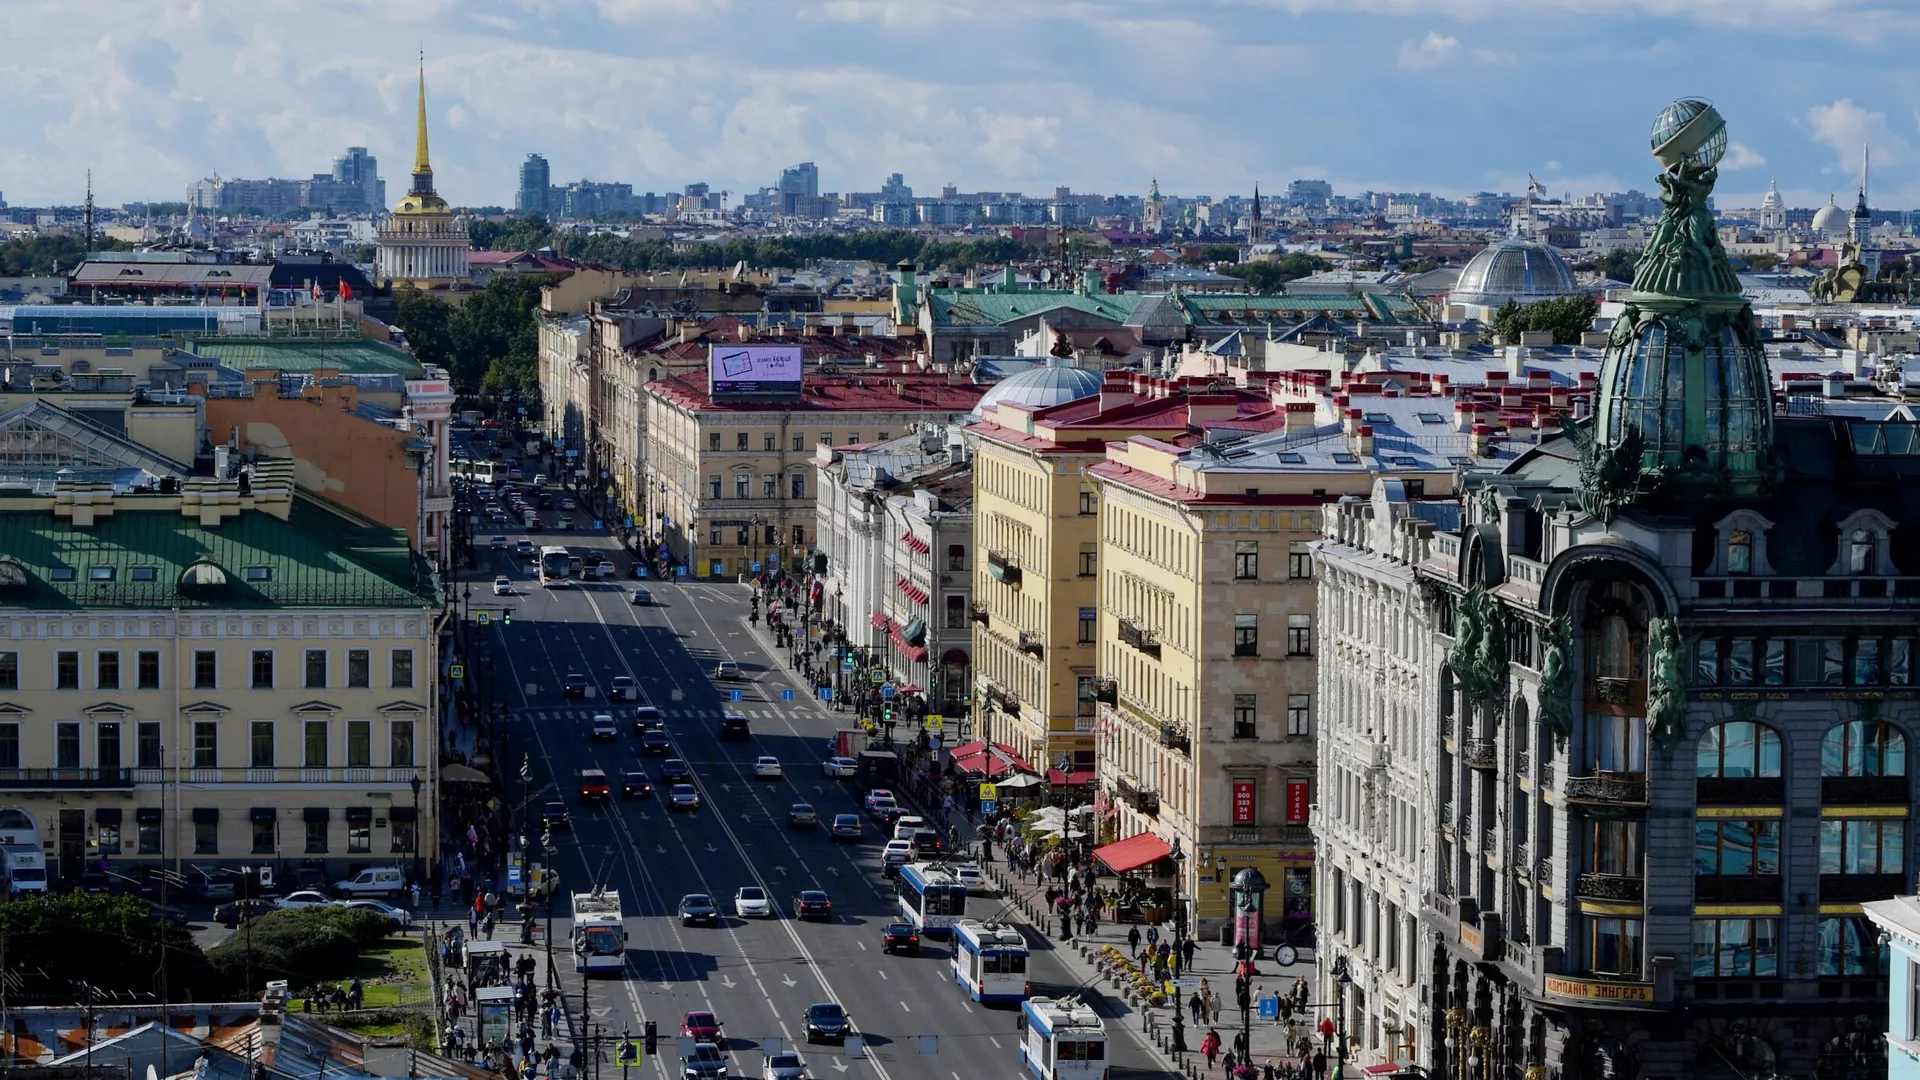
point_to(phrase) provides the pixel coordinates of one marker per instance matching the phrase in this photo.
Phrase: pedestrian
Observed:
(1194, 1006)
(1153, 937)
(1206, 1002)
(1227, 1062)
(1210, 1046)
(1189, 946)
(1174, 966)
(473, 922)
(486, 925)
(1319, 1064)
(1269, 1073)
(1133, 942)
(415, 892)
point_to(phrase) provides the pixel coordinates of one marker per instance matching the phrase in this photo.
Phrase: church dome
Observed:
(1040, 387)
(1832, 221)
(1513, 269)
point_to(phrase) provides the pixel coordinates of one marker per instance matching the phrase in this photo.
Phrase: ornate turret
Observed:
(1685, 405)
(421, 198)
(423, 244)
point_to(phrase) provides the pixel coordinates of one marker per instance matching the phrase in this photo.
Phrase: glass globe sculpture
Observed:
(1689, 132)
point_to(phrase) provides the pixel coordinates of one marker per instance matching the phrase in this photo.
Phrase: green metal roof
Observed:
(358, 357)
(977, 307)
(1223, 309)
(136, 558)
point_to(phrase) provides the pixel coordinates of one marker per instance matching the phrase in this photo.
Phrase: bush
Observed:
(303, 947)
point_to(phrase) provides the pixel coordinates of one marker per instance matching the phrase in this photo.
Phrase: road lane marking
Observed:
(883, 974)
(994, 1041)
(905, 1006)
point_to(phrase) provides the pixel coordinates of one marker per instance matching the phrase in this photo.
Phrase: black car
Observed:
(655, 742)
(170, 916)
(828, 1021)
(555, 816)
(733, 728)
(648, 718)
(573, 685)
(674, 771)
(927, 844)
(234, 913)
(635, 785)
(698, 908)
(900, 937)
(812, 904)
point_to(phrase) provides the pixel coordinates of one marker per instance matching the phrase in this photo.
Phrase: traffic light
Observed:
(653, 1038)
(506, 618)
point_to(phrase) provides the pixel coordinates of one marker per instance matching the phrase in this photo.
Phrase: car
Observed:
(734, 728)
(675, 770)
(802, 816)
(785, 1065)
(563, 523)
(766, 767)
(701, 1025)
(876, 795)
(305, 898)
(970, 876)
(554, 815)
(826, 1020)
(655, 741)
(895, 855)
(634, 784)
(594, 785)
(647, 718)
(698, 908)
(906, 825)
(499, 543)
(683, 797)
(402, 918)
(640, 598)
(604, 729)
(726, 669)
(899, 937)
(839, 768)
(608, 571)
(882, 810)
(812, 904)
(705, 1063)
(573, 684)
(927, 844)
(539, 479)
(752, 902)
(845, 827)
(170, 916)
(235, 912)
(546, 502)
(503, 586)
(568, 504)
(623, 688)
(524, 548)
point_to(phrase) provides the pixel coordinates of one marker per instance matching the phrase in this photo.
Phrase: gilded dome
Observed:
(1040, 387)
(1514, 269)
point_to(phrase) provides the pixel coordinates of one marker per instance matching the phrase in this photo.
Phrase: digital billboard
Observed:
(753, 369)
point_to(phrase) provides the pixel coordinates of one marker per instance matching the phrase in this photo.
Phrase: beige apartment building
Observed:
(230, 673)
(730, 482)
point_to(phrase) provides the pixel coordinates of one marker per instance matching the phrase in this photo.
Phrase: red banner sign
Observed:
(1297, 804)
(1243, 802)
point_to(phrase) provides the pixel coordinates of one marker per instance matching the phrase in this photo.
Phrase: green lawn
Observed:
(394, 974)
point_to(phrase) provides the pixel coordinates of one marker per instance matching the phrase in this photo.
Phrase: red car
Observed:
(703, 1026)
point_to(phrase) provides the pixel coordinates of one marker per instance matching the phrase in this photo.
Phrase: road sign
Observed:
(887, 692)
(935, 721)
(756, 568)
(989, 792)
(483, 618)
(628, 1054)
(1270, 1008)
(988, 807)
(826, 693)
(846, 662)
(878, 675)
(457, 672)
(736, 695)
(787, 694)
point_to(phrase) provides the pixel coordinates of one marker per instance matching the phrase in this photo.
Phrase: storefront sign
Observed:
(1589, 990)
(1297, 803)
(1243, 802)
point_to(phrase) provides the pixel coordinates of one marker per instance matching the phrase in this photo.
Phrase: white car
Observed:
(896, 854)
(970, 876)
(838, 767)
(767, 768)
(785, 1065)
(752, 902)
(906, 825)
(503, 586)
(305, 898)
(399, 915)
(726, 669)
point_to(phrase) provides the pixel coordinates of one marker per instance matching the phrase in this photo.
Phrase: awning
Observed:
(915, 592)
(1133, 853)
(462, 774)
(359, 813)
(147, 815)
(1069, 779)
(911, 688)
(1018, 782)
(262, 813)
(915, 653)
(954, 656)
(206, 815)
(316, 813)
(403, 813)
(1385, 1068)
(915, 631)
(107, 816)
(968, 749)
(915, 543)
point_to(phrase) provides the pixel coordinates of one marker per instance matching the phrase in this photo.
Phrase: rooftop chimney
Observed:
(1363, 440)
(1482, 439)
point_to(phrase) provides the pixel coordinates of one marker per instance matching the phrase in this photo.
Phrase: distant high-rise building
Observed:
(359, 169)
(802, 179)
(895, 189)
(535, 181)
(1309, 193)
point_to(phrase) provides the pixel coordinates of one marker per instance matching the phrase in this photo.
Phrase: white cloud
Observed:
(1845, 127)
(1741, 156)
(1438, 50)
(1854, 20)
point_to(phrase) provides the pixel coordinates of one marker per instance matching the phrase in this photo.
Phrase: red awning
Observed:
(1133, 853)
(918, 594)
(968, 749)
(880, 619)
(978, 760)
(954, 656)
(1069, 779)
(911, 688)
(1385, 1068)
(915, 543)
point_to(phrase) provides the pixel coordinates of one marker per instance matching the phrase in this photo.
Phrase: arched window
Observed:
(1615, 657)
(1863, 748)
(1617, 633)
(1738, 749)
(1740, 552)
(1449, 693)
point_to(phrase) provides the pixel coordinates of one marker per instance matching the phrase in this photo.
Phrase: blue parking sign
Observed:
(736, 695)
(787, 694)
(987, 807)
(886, 692)
(1270, 1008)
(826, 693)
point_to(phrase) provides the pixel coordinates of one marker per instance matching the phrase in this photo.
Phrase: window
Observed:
(1737, 664)
(713, 535)
(1613, 945)
(1089, 503)
(1299, 714)
(743, 485)
(359, 673)
(1860, 552)
(1863, 845)
(770, 535)
(1089, 563)
(206, 835)
(1740, 552)
(853, 438)
(713, 485)
(739, 440)
(799, 536)
(316, 669)
(145, 573)
(713, 440)
(1736, 948)
(882, 437)
(258, 573)
(147, 665)
(1084, 703)
(402, 835)
(9, 671)
(1089, 625)
(61, 573)
(260, 745)
(957, 613)
(66, 745)
(799, 442)
(149, 834)
(264, 833)
(316, 744)
(766, 442)
(146, 745)
(1866, 662)
(401, 669)
(1863, 748)
(1246, 635)
(205, 668)
(1299, 635)
(1850, 945)
(9, 746)
(100, 573)
(359, 744)
(1244, 714)
(740, 536)
(106, 747)
(400, 744)
(799, 485)
(769, 486)
(359, 833)
(316, 836)
(1706, 663)
(1738, 749)
(66, 670)
(1731, 847)
(263, 669)
(1773, 669)
(206, 744)
(109, 835)
(956, 556)
(106, 670)
(1246, 560)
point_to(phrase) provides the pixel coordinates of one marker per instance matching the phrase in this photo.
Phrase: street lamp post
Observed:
(415, 785)
(1455, 1040)
(1342, 979)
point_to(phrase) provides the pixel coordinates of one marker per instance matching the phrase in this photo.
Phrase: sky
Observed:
(1209, 96)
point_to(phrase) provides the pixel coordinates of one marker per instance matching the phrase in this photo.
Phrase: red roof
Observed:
(1133, 853)
(882, 391)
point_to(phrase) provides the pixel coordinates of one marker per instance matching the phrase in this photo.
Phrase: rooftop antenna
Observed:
(89, 210)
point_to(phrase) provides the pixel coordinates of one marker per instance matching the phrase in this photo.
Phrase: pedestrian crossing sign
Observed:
(989, 792)
(483, 618)
(628, 1054)
(456, 672)
(935, 721)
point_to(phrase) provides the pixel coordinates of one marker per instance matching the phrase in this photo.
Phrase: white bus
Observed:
(990, 961)
(931, 898)
(555, 567)
(1065, 1040)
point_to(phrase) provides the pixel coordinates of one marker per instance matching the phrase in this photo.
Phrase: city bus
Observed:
(990, 961)
(555, 567)
(1065, 1040)
(930, 898)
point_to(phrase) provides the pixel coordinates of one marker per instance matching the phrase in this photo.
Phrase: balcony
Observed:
(978, 613)
(1031, 644)
(1863, 790)
(1174, 737)
(1739, 791)
(1482, 754)
(1523, 858)
(1446, 816)
(1003, 569)
(1737, 889)
(1139, 638)
(1614, 888)
(1546, 775)
(1522, 764)
(1147, 802)
(65, 779)
(1623, 790)
(1543, 872)
(1482, 940)
(1106, 691)
(1001, 698)
(1489, 842)
(1859, 888)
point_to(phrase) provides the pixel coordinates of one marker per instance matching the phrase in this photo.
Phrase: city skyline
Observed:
(1385, 95)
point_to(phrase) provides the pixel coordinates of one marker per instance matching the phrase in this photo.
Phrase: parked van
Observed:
(374, 881)
(26, 870)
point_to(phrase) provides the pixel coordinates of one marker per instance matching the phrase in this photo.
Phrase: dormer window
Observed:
(1740, 552)
(1860, 552)
(1863, 541)
(1740, 546)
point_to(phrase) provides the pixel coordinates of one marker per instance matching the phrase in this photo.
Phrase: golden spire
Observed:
(420, 163)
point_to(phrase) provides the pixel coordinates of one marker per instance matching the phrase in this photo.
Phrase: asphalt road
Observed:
(758, 975)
